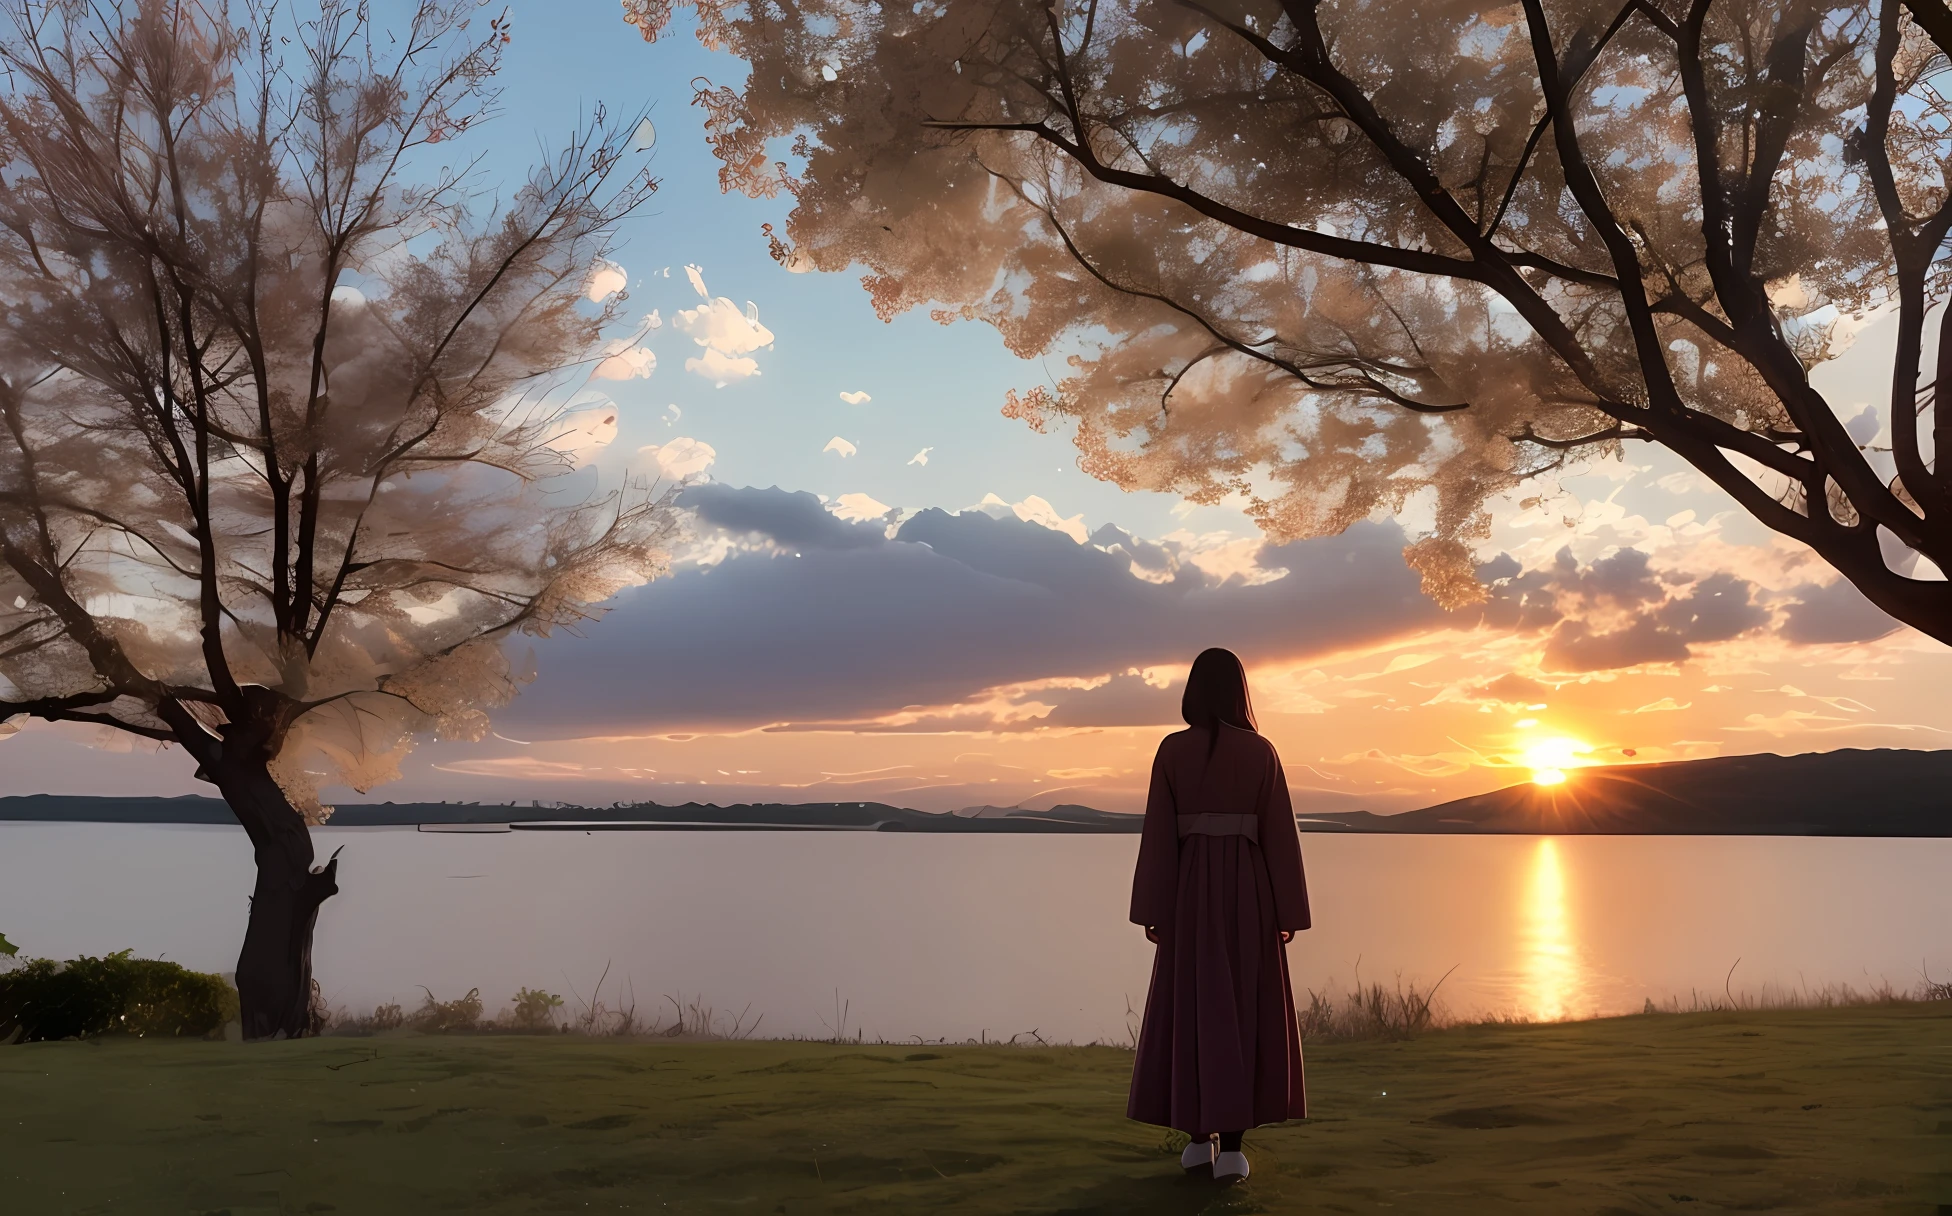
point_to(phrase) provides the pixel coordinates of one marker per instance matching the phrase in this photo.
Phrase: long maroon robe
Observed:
(1219, 1049)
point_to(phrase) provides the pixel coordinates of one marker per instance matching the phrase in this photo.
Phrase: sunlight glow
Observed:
(1550, 758)
(1552, 970)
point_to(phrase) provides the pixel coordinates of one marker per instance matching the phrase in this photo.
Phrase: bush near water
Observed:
(44, 1000)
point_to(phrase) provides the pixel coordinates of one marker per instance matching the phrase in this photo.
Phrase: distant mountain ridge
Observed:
(1882, 792)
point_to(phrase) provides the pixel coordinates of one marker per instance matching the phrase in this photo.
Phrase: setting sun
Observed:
(1550, 758)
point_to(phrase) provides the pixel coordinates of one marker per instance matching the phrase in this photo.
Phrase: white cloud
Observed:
(348, 295)
(921, 457)
(1222, 556)
(856, 398)
(697, 277)
(727, 334)
(1034, 510)
(837, 444)
(672, 413)
(1786, 723)
(583, 432)
(606, 279)
(626, 359)
(720, 326)
(1294, 701)
(720, 369)
(1841, 329)
(627, 362)
(1661, 706)
(1286, 692)
(857, 507)
(1849, 705)
(1685, 482)
(1788, 293)
(681, 458)
(1406, 662)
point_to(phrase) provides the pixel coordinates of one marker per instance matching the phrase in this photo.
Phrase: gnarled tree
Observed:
(1332, 255)
(284, 459)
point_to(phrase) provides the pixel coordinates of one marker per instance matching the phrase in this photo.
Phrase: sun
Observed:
(1550, 758)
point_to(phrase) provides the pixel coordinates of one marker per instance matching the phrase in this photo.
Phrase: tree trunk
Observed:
(274, 970)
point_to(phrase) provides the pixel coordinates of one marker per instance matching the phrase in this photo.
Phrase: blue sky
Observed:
(932, 386)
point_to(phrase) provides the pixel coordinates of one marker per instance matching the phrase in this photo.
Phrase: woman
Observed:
(1219, 888)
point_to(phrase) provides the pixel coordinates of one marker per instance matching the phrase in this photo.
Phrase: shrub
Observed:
(1373, 1012)
(448, 1017)
(86, 997)
(531, 1011)
(534, 1011)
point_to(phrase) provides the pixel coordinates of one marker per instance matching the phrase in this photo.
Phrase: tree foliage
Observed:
(1338, 255)
(284, 465)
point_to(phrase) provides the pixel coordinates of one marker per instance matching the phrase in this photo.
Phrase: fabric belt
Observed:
(1221, 825)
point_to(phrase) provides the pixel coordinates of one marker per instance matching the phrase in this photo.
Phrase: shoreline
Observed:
(359, 816)
(1844, 794)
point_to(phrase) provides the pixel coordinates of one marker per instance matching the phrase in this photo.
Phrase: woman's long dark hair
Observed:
(1216, 692)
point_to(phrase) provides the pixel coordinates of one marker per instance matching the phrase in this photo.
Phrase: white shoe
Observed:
(1197, 1154)
(1230, 1167)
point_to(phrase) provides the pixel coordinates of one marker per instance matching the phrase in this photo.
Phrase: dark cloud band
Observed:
(834, 621)
(816, 622)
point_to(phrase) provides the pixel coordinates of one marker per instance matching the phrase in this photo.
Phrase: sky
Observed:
(890, 592)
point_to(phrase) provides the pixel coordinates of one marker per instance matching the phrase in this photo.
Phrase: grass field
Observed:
(1832, 1111)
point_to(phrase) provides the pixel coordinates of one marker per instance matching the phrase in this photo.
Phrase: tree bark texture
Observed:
(274, 969)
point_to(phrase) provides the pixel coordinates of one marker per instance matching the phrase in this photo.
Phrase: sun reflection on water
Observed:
(1551, 965)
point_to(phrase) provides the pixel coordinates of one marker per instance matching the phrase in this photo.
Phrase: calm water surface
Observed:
(954, 936)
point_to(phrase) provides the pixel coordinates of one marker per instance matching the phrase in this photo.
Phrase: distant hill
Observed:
(1841, 793)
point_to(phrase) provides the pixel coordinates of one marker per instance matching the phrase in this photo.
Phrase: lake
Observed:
(961, 936)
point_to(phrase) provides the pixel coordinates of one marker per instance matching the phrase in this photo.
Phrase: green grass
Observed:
(1832, 1111)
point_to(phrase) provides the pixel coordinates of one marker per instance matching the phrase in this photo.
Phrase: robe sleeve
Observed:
(1281, 847)
(1154, 883)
